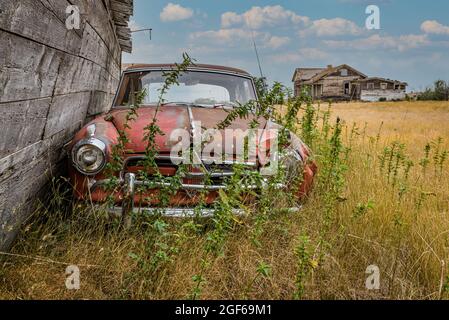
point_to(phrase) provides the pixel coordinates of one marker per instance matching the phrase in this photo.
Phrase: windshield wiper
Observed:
(177, 103)
(228, 104)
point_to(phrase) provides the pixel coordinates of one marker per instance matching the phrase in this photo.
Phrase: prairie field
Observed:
(381, 202)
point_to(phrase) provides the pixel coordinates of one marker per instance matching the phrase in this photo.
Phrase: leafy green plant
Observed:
(395, 163)
(263, 271)
(363, 208)
(305, 265)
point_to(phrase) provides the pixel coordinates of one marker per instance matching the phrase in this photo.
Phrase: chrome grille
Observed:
(217, 173)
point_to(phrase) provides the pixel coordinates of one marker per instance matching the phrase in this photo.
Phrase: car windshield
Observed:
(195, 87)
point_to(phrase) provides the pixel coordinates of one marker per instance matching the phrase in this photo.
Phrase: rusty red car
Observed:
(205, 95)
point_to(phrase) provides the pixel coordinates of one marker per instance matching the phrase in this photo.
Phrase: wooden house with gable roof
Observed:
(344, 83)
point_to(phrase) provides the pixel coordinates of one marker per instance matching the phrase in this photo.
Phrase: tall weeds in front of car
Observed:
(381, 198)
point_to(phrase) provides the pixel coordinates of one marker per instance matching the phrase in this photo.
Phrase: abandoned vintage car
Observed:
(204, 96)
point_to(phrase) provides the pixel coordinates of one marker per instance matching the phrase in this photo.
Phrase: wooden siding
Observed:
(334, 86)
(51, 81)
(377, 85)
(377, 95)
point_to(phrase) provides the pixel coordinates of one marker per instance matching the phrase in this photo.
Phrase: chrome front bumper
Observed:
(174, 212)
(183, 212)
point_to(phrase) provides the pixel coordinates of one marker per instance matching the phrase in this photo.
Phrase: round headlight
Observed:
(290, 160)
(89, 156)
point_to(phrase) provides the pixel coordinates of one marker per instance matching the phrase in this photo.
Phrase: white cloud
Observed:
(237, 36)
(258, 17)
(331, 27)
(364, 1)
(410, 41)
(288, 57)
(302, 55)
(272, 16)
(229, 36)
(401, 43)
(434, 27)
(226, 35)
(276, 42)
(175, 12)
(313, 53)
(229, 19)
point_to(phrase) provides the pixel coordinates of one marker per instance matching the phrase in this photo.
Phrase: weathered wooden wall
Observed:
(334, 86)
(334, 83)
(51, 80)
(377, 95)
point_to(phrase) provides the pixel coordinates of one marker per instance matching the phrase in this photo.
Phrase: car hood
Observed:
(170, 118)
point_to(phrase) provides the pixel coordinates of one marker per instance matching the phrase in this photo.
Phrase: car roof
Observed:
(204, 67)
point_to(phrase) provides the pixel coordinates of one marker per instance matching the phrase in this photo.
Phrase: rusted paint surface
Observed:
(210, 118)
(105, 131)
(310, 170)
(169, 118)
(172, 117)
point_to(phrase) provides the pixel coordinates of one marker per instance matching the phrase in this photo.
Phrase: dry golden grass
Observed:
(405, 233)
(408, 122)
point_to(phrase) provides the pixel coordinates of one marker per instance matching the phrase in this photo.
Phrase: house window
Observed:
(344, 72)
(347, 87)
(396, 87)
(318, 90)
(370, 86)
(383, 86)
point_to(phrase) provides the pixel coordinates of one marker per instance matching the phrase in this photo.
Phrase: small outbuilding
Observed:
(376, 89)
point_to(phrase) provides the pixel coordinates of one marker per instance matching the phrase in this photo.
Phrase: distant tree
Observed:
(439, 92)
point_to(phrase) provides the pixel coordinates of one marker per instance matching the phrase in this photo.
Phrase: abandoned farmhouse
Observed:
(344, 83)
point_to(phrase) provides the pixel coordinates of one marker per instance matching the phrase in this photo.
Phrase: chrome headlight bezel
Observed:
(95, 144)
(291, 165)
(292, 150)
(289, 153)
(290, 157)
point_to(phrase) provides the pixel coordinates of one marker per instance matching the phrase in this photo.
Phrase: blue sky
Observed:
(412, 44)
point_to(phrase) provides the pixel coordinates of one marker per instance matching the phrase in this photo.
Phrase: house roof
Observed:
(312, 75)
(121, 11)
(328, 71)
(306, 73)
